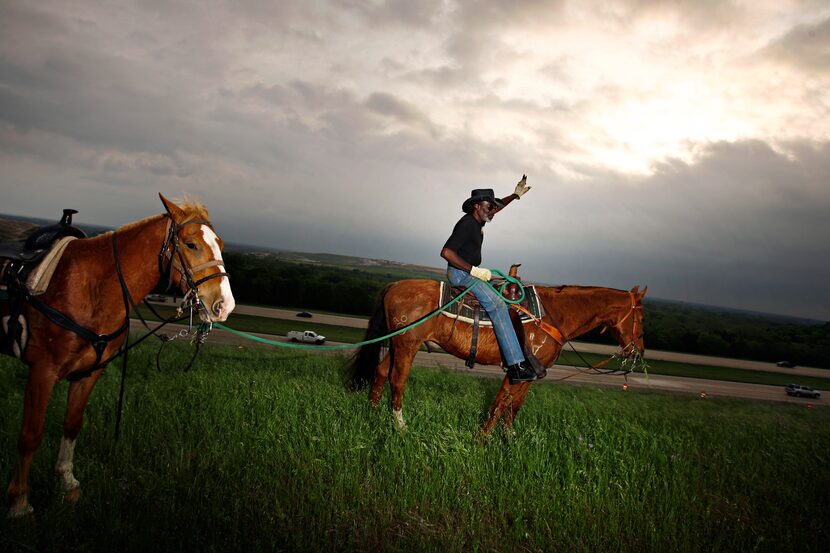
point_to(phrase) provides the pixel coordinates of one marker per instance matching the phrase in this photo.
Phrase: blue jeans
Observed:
(495, 306)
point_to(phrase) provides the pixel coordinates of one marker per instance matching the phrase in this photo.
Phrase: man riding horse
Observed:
(463, 254)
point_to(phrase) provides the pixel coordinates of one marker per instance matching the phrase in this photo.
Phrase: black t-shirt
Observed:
(466, 239)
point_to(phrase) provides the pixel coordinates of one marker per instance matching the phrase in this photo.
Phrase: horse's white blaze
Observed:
(64, 465)
(228, 303)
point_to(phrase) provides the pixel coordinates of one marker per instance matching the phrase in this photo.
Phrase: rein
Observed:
(191, 298)
(626, 352)
(556, 334)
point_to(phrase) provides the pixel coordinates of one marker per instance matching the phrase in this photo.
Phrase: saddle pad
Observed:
(463, 312)
(39, 278)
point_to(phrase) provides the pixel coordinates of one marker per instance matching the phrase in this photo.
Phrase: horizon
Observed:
(248, 248)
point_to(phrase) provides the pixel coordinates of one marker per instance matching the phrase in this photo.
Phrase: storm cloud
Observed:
(682, 145)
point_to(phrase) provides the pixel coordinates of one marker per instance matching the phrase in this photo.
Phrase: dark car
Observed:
(786, 364)
(799, 390)
(304, 314)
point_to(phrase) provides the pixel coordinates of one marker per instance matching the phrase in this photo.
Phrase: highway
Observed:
(582, 347)
(637, 382)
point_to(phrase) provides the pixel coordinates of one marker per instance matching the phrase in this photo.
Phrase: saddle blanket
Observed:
(39, 277)
(463, 311)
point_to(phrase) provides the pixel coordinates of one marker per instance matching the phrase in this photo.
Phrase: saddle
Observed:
(469, 310)
(34, 260)
(26, 269)
(465, 308)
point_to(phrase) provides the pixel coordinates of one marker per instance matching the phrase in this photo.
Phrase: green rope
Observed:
(425, 318)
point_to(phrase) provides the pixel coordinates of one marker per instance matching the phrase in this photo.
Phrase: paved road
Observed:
(570, 375)
(657, 355)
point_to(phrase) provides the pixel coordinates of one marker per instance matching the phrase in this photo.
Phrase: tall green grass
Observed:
(261, 450)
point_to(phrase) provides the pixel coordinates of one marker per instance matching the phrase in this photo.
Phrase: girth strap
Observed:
(99, 341)
(471, 360)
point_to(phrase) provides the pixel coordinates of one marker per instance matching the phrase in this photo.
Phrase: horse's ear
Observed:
(643, 293)
(176, 213)
(636, 289)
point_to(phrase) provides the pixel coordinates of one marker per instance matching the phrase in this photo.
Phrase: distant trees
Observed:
(266, 280)
(668, 326)
(709, 331)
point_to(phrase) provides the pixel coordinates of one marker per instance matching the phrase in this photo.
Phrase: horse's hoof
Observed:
(72, 496)
(20, 511)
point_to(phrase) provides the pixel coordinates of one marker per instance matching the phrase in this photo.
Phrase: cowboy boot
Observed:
(536, 365)
(520, 372)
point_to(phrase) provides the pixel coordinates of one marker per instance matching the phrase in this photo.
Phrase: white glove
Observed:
(521, 187)
(481, 274)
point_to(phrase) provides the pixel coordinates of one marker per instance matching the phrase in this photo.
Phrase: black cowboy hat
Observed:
(481, 195)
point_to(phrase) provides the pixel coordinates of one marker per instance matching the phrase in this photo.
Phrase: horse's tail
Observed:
(361, 370)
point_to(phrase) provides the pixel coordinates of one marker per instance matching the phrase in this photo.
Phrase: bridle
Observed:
(171, 251)
(631, 347)
(629, 354)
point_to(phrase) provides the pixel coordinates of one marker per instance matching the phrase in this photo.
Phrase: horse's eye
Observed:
(190, 245)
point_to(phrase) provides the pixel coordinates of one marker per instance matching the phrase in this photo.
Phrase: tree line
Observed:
(264, 279)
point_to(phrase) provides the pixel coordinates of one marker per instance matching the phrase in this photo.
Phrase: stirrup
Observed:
(521, 372)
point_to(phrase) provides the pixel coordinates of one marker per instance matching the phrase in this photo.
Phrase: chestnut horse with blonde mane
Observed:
(95, 284)
(570, 310)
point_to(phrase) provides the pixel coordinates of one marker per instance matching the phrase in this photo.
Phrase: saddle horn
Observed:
(44, 237)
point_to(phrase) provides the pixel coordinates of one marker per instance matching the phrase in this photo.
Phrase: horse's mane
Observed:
(138, 223)
(194, 209)
(562, 288)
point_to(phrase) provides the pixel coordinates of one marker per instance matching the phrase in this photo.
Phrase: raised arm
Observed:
(521, 188)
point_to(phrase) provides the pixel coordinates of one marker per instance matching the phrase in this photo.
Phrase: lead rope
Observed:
(422, 320)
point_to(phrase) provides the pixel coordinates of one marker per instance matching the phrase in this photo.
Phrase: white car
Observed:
(799, 390)
(307, 336)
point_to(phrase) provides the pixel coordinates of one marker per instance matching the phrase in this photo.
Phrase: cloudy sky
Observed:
(682, 144)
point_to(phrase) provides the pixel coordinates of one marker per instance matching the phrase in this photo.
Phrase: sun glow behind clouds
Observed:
(664, 125)
(630, 94)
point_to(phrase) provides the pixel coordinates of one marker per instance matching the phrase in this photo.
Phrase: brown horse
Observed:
(94, 285)
(572, 310)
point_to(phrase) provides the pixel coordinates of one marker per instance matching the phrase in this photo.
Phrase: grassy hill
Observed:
(256, 450)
